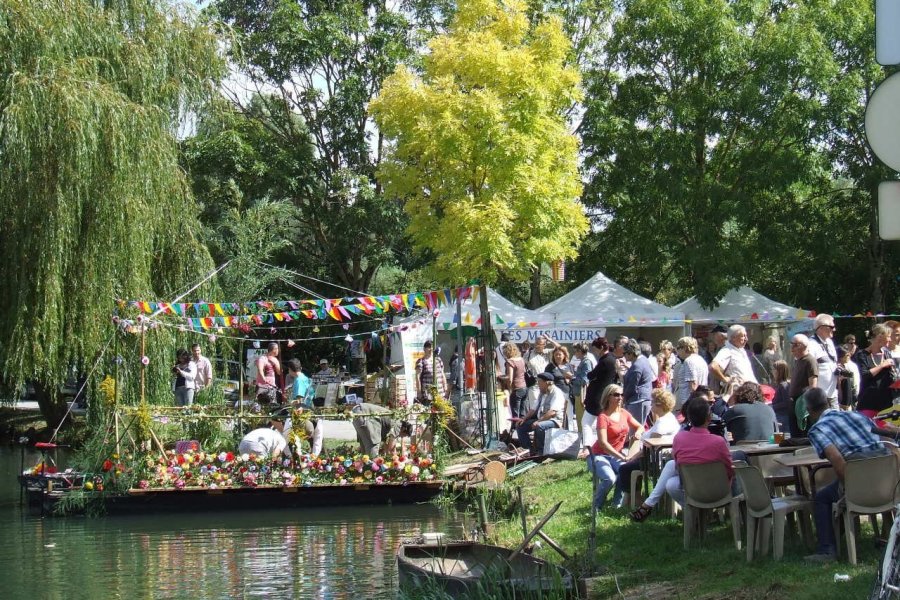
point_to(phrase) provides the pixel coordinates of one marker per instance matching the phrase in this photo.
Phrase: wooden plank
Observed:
(534, 531)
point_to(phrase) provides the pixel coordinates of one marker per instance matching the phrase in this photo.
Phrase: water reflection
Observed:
(329, 553)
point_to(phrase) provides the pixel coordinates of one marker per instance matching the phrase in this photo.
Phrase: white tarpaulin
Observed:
(503, 312)
(600, 301)
(742, 305)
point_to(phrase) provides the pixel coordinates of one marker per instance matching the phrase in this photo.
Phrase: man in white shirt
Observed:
(546, 415)
(267, 441)
(536, 360)
(204, 377)
(731, 364)
(692, 373)
(821, 347)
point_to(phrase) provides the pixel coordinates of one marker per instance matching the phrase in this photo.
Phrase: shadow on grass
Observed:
(648, 560)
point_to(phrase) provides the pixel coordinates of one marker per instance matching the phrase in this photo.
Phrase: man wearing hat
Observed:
(547, 414)
(324, 369)
(268, 441)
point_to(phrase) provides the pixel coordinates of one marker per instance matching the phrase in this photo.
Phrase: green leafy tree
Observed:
(324, 61)
(246, 179)
(704, 134)
(482, 158)
(94, 205)
(866, 270)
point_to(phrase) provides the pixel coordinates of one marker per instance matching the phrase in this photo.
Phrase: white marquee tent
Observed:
(741, 305)
(603, 301)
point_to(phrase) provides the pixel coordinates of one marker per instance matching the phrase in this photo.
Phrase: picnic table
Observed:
(811, 463)
(651, 459)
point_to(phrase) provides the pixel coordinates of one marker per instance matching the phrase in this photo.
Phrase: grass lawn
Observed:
(647, 560)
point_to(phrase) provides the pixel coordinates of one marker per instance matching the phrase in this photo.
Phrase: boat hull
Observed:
(245, 498)
(457, 568)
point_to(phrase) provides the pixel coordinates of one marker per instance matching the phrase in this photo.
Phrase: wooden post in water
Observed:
(483, 514)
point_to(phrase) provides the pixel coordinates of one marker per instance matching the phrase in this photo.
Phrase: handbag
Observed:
(562, 442)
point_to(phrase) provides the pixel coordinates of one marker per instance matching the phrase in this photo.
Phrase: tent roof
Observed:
(499, 306)
(742, 304)
(603, 301)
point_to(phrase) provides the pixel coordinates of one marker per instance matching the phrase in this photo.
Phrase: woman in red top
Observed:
(613, 426)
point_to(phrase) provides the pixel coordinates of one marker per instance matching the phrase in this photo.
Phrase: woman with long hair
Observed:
(614, 424)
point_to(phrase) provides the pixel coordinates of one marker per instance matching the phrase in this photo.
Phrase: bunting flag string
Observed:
(206, 316)
(338, 309)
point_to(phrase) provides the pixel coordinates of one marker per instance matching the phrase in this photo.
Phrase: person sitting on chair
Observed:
(546, 415)
(689, 447)
(838, 436)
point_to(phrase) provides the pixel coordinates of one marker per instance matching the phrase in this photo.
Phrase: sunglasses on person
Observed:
(619, 394)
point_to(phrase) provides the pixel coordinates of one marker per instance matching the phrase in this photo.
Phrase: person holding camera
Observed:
(185, 373)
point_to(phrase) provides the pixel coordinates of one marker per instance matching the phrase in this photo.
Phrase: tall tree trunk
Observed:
(876, 259)
(535, 300)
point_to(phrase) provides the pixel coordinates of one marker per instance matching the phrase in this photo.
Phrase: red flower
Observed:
(107, 465)
(180, 459)
(229, 457)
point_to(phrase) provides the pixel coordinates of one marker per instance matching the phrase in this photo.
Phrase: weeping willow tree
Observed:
(92, 201)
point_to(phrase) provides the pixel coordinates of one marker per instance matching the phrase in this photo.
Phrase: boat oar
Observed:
(534, 531)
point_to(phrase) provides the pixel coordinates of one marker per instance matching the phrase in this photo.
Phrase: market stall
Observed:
(600, 306)
(762, 316)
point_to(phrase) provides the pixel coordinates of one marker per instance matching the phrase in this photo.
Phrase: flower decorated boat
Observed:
(195, 480)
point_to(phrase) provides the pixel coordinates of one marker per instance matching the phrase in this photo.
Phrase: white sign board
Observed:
(887, 26)
(561, 335)
(413, 340)
(883, 122)
(889, 210)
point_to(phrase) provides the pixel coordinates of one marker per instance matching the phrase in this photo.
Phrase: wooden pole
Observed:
(534, 532)
(116, 421)
(461, 376)
(482, 514)
(522, 511)
(489, 376)
(143, 366)
(241, 388)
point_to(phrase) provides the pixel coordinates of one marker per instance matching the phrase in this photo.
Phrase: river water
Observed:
(327, 553)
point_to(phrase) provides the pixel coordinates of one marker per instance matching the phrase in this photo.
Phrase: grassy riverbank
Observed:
(647, 560)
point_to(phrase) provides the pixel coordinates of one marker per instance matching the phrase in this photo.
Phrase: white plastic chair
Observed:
(706, 487)
(870, 488)
(765, 513)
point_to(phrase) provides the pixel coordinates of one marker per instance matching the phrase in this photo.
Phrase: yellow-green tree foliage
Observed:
(480, 153)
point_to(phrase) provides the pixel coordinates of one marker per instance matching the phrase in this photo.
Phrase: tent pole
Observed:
(460, 376)
(489, 375)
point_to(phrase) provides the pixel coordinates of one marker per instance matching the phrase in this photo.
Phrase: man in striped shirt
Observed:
(838, 436)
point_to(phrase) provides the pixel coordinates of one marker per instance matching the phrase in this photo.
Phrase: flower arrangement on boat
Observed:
(229, 470)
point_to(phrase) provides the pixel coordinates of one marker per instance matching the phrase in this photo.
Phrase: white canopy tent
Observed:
(508, 312)
(741, 305)
(763, 317)
(605, 305)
